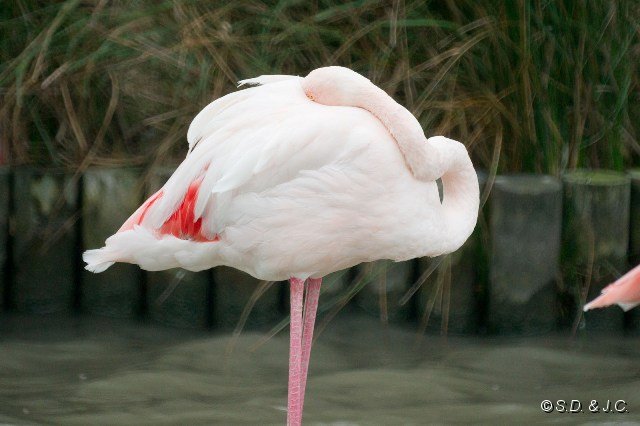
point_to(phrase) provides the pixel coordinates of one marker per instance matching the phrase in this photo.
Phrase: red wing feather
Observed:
(181, 223)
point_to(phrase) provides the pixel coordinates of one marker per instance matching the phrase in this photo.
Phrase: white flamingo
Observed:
(297, 178)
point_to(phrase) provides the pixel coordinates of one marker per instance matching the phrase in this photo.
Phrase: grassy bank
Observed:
(529, 86)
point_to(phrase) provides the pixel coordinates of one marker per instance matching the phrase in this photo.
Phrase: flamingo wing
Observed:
(250, 145)
(207, 120)
(256, 148)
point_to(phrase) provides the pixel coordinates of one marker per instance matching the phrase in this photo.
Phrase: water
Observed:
(95, 371)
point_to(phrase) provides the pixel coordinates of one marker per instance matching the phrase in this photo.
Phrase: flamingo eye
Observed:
(309, 94)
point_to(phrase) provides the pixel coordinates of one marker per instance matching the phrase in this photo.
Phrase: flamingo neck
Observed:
(431, 159)
(422, 161)
(461, 193)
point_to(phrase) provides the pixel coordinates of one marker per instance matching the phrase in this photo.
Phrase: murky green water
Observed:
(101, 372)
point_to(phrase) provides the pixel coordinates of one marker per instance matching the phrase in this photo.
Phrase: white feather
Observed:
(291, 188)
(628, 306)
(265, 79)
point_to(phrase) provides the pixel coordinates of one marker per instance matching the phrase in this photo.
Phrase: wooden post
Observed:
(45, 240)
(336, 283)
(177, 297)
(109, 197)
(4, 231)
(525, 223)
(595, 241)
(235, 292)
(632, 318)
(634, 217)
(387, 282)
(450, 300)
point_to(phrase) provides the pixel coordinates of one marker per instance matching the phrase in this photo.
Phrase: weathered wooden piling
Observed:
(387, 282)
(179, 298)
(4, 231)
(176, 297)
(109, 197)
(336, 283)
(634, 217)
(632, 318)
(525, 224)
(236, 292)
(450, 299)
(45, 240)
(595, 241)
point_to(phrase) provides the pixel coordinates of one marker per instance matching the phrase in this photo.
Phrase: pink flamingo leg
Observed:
(310, 309)
(295, 352)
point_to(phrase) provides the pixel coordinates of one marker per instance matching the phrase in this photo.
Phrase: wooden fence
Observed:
(541, 248)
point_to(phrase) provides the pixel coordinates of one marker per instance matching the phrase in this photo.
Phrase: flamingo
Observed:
(295, 178)
(625, 292)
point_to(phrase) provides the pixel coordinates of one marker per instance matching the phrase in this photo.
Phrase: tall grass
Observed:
(529, 86)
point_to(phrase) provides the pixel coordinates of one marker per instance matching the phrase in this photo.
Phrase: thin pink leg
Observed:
(295, 352)
(310, 309)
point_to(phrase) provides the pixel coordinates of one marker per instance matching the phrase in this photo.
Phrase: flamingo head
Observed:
(336, 86)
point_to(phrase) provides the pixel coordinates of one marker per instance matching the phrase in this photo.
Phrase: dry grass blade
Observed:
(493, 171)
(553, 79)
(76, 127)
(255, 296)
(426, 315)
(435, 263)
(583, 291)
(382, 299)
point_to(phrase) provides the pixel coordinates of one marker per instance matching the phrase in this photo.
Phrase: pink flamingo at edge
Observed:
(625, 292)
(296, 178)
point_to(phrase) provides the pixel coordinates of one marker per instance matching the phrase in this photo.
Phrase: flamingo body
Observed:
(286, 187)
(297, 178)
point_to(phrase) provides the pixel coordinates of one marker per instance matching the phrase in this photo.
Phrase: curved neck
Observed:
(461, 193)
(406, 130)
(430, 159)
